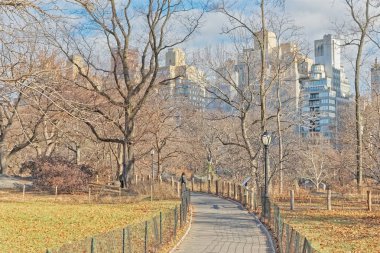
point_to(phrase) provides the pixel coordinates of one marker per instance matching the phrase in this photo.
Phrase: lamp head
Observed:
(266, 138)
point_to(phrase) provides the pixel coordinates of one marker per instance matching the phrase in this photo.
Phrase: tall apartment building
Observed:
(328, 53)
(222, 88)
(375, 80)
(183, 81)
(294, 66)
(319, 104)
(324, 91)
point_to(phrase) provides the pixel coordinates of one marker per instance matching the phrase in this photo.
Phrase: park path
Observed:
(221, 226)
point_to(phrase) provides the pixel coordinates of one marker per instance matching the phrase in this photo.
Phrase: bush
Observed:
(49, 172)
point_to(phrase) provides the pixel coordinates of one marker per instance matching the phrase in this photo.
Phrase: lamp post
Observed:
(151, 184)
(152, 154)
(266, 139)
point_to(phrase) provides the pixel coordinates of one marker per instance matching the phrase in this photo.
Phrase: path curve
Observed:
(223, 226)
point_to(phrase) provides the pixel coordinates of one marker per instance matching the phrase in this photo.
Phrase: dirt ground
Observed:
(12, 182)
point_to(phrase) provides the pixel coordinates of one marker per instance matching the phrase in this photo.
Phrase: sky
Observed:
(316, 18)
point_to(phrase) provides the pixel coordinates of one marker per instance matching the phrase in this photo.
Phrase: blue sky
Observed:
(316, 18)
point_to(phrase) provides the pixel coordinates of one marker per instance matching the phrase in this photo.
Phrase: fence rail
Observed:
(147, 236)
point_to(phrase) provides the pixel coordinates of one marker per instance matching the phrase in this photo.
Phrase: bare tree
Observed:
(319, 162)
(22, 71)
(121, 89)
(365, 18)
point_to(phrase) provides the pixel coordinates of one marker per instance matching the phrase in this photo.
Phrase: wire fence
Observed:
(147, 236)
(288, 239)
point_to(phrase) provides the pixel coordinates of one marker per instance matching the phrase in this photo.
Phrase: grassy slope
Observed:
(35, 226)
(338, 230)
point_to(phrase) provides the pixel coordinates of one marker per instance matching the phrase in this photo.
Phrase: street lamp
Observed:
(151, 184)
(266, 139)
(152, 154)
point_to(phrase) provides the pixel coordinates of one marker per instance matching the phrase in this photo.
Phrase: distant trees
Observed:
(364, 16)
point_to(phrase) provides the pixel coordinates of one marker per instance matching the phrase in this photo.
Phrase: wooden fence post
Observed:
(209, 185)
(200, 185)
(136, 179)
(172, 180)
(178, 189)
(329, 199)
(369, 200)
(246, 202)
(216, 187)
(192, 184)
(241, 194)
(229, 190)
(252, 198)
(223, 187)
(23, 192)
(292, 200)
(235, 197)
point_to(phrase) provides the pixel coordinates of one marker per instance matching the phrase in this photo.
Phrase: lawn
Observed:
(338, 230)
(35, 226)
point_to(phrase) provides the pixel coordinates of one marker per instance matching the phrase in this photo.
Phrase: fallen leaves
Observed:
(338, 230)
(35, 226)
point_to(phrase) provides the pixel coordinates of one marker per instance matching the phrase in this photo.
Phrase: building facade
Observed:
(375, 80)
(184, 82)
(324, 91)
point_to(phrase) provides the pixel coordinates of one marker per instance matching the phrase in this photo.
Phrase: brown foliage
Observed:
(49, 172)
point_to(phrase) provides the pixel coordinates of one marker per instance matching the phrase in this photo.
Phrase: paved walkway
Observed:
(221, 226)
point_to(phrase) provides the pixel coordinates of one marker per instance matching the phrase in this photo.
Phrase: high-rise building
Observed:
(132, 62)
(271, 41)
(375, 79)
(182, 80)
(222, 90)
(327, 52)
(318, 104)
(175, 57)
(324, 91)
(293, 67)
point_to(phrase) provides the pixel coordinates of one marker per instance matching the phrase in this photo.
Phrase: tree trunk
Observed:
(77, 154)
(280, 145)
(359, 134)
(119, 161)
(158, 163)
(3, 162)
(128, 147)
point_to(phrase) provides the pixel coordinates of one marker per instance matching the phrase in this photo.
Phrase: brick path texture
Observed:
(222, 226)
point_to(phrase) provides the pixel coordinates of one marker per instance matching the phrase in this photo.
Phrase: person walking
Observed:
(182, 180)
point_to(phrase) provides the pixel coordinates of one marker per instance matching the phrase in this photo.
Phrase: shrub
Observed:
(49, 172)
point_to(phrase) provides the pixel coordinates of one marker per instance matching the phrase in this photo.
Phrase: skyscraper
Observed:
(375, 79)
(324, 91)
(327, 52)
(183, 81)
